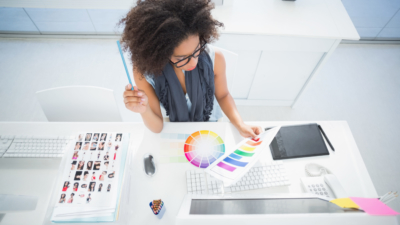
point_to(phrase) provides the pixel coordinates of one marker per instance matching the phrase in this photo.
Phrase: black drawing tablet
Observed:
(298, 141)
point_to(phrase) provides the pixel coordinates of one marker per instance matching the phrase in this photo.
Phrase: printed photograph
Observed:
(98, 156)
(78, 175)
(86, 176)
(92, 186)
(101, 146)
(109, 188)
(106, 164)
(106, 156)
(89, 198)
(75, 155)
(62, 198)
(88, 137)
(118, 137)
(81, 164)
(84, 186)
(71, 198)
(109, 145)
(97, 165)
(73, 165)
(66, 186)
(103, 137)
(78, 146)
(89, 165)
(93, 176)
(81, 198)
(80, 137)
(95, 137)
(86, 146)
(100, 187)
(102, 175)
(111, 175)
(93, 146)
(76, 185)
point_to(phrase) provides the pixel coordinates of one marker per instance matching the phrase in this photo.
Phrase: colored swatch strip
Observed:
(235, 162)
(225, 166)
(252, 143)
(235, 157)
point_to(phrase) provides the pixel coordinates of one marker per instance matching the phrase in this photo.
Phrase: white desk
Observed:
(169, 183)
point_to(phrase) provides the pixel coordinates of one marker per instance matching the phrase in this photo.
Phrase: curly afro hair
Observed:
(154, 28)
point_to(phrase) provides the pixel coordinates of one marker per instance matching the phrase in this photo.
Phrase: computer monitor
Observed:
(256, 209)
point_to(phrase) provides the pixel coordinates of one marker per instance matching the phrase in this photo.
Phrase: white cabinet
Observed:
(281, 45)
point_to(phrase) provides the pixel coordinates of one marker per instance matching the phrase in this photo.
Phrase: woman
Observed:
(75, 156)
(109, 188)
(71, 199)
(93, 146)
(91, 186)
(101, 177)
(94, 176)
(103, 137)
(76, 185)
(85, 176)
(109, 144)
(78, 146)
(89, 165)
(88, 137)
(106, 156)
(80, 137)
(101, 146)
(118, 138)
(66, 186)
(73, 164)
(95, 137)
(168, 41)
(106, 164)
(62, 199)
(86, 146)
(81, 165)
(88, 198)
(100, 187)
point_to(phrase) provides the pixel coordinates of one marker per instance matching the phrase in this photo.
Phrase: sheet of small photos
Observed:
(92, 169)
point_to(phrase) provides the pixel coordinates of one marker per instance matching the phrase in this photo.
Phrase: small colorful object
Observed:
(158, 208)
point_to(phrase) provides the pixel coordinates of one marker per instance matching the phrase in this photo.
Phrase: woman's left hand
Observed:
(249, 130)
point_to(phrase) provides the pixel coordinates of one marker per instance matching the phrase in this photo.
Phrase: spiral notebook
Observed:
(298, 141)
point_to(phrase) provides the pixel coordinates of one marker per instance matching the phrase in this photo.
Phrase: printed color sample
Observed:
(203, 147)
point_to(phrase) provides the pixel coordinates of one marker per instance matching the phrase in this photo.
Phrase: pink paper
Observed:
(373, 206)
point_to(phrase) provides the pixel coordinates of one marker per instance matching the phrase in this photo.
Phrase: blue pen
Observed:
(123, 60)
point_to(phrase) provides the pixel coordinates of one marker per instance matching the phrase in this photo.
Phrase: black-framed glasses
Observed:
(186, 60)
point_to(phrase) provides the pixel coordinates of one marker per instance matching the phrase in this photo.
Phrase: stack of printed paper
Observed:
(92, 179)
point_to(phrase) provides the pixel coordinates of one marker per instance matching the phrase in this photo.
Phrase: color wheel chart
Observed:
(231, 168)
(204, 147)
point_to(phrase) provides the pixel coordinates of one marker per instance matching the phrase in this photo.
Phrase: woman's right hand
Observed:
(135, 100)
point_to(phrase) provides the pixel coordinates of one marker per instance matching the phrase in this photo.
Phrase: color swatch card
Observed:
(232, 166)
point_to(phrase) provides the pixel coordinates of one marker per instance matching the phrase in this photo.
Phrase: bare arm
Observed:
(226, 101)
(144, 100)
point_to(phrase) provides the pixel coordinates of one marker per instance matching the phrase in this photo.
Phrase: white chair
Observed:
(231, 60)
(79, 104)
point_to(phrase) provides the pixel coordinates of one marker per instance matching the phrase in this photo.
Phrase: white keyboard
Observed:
(270, 175)
(28, 146)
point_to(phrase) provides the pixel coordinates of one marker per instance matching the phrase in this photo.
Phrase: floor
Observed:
(360, 83)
